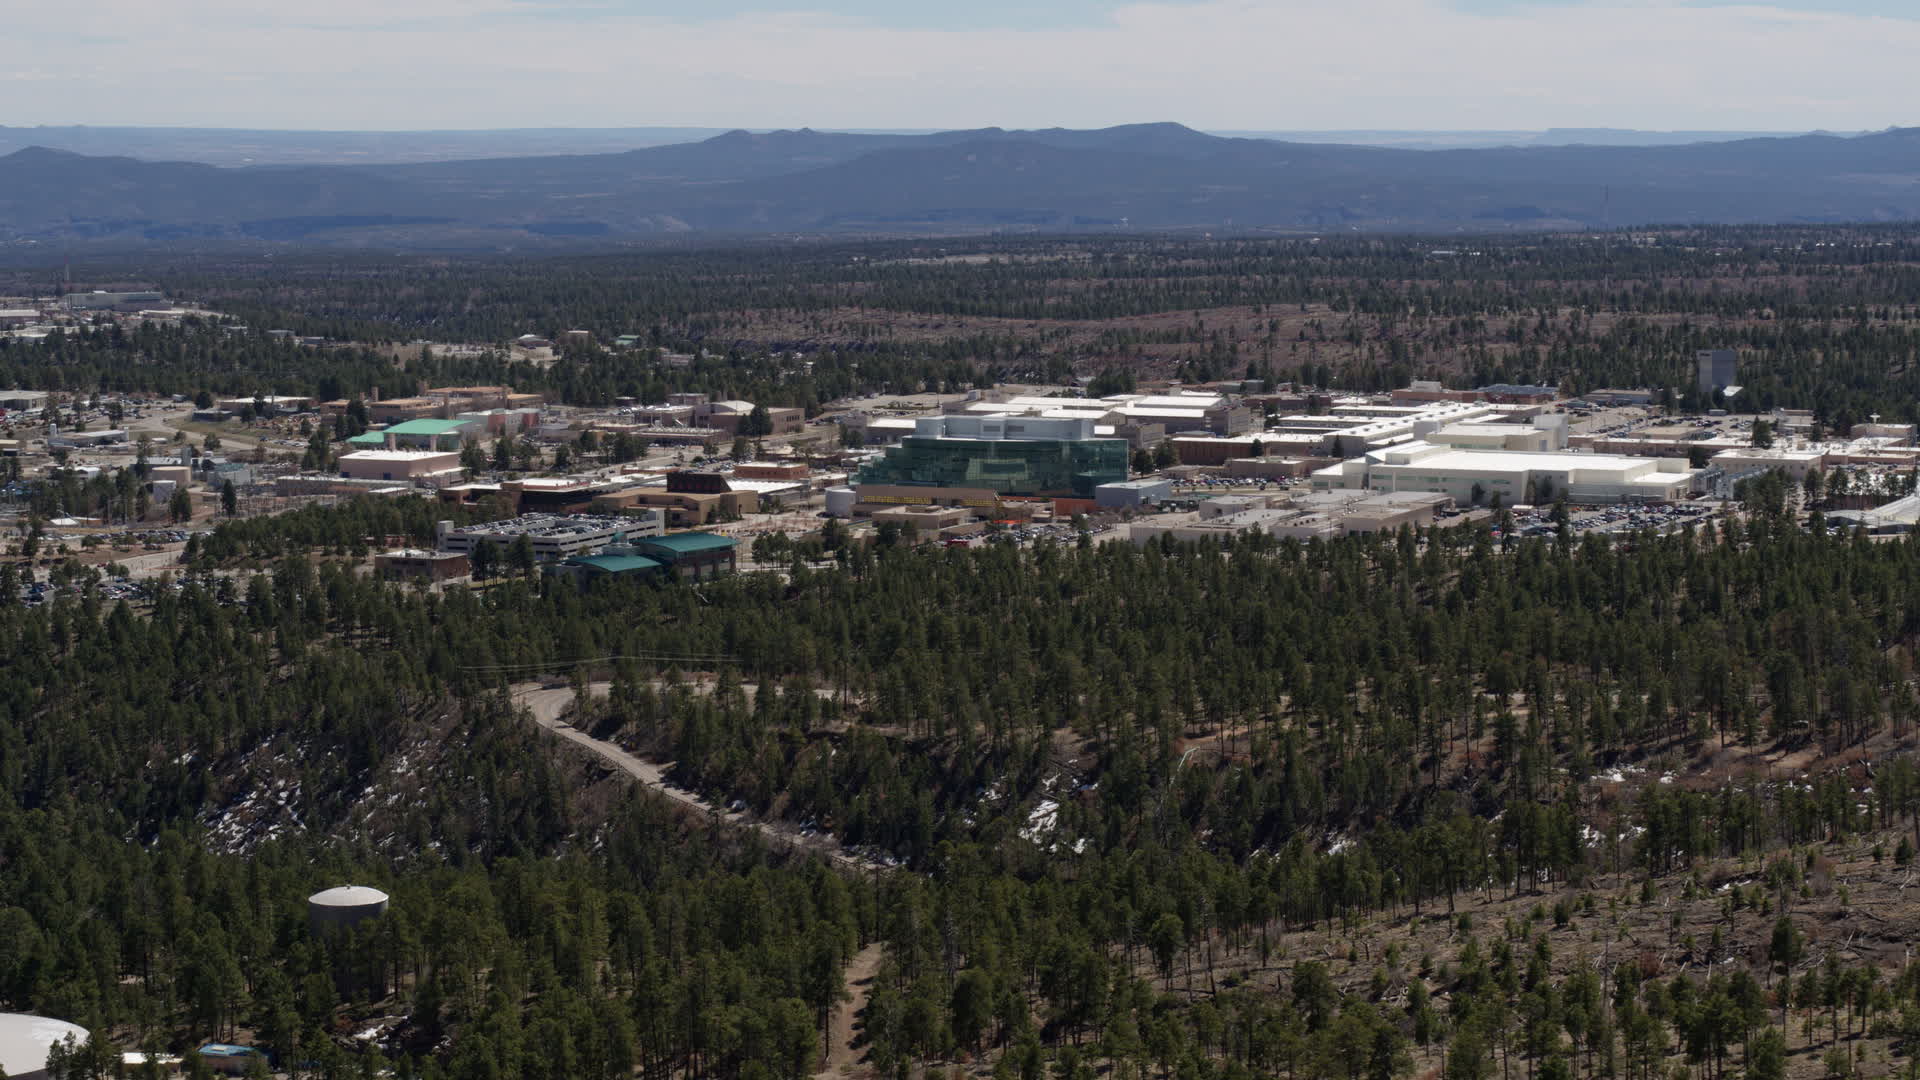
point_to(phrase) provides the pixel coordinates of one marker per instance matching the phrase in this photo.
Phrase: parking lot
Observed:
(1620, 519)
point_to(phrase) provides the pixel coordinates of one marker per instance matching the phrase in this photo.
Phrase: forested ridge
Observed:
(1337, 810)
(1824, 317)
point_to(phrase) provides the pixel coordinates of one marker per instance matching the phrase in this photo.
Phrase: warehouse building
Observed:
(1751, 459)
(1610, 396)
(1898, 516)
(80, 440)
(1351, 429)
(1544, 434)
(1132, 494)
(1308, 517)
(22, 400)
(1472, 477)
(401, 466)
(127, 302)
(266, 404)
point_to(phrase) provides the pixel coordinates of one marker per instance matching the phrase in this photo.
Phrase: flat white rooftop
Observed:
(1418, 456)
(1155, 410)
(1171, 401)
(396, 455)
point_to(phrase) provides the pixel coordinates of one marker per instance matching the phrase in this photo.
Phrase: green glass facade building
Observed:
(1036, 467)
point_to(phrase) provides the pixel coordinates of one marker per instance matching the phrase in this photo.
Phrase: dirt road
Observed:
(549, 706)
(842, 1055)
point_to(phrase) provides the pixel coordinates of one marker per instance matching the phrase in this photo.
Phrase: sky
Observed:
(1784, 65)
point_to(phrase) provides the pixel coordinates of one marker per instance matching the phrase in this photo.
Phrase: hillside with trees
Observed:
(1425, 801)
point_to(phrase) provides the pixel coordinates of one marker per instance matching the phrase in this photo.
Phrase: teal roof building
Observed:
(692, 555)
(617, 564)
(421, 434)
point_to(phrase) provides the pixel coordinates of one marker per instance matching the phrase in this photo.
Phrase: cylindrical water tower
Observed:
(840, 501)
(343, 906)
(25, 1041)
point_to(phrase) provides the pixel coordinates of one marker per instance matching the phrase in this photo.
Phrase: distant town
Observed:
(672, 488)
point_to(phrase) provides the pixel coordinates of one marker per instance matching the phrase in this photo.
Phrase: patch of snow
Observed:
(1041, 821)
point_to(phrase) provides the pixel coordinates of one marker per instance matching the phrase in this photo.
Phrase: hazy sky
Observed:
(1215, 64)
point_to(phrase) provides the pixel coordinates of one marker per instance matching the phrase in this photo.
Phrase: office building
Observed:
(1000, 456)
(729, 416)
(693, 555)
(1714, 369)
(1516, 394)
(396, 410)
(1187, 411)
(416, 564)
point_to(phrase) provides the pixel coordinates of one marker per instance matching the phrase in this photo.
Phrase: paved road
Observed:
(550, 705)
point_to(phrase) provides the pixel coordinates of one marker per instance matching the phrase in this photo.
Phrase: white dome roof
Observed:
(348, 896)
(25, 1040)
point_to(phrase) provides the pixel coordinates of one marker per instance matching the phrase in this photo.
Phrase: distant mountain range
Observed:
(239, 146)
(1141, 176)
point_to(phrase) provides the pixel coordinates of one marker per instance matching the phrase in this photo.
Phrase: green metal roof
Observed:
(369, 438)
(689, 543)
(426, 427)
(616, 564)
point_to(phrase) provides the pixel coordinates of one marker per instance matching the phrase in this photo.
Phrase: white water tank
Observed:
(343, 906)
(25, 1041)
(840, 501)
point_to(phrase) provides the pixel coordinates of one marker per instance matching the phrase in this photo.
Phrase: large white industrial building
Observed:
(1476, 476)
